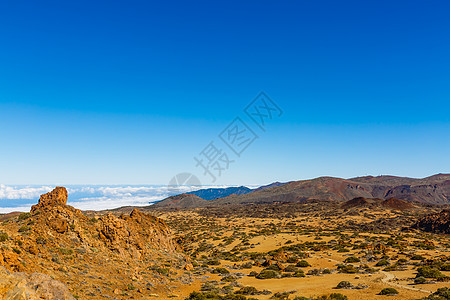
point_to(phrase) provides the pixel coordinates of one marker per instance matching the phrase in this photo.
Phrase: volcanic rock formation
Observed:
(63, 242)
(56, 197)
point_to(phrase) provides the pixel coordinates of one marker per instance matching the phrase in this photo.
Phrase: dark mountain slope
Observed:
(180, 201)
(214, 193)
(432, 190)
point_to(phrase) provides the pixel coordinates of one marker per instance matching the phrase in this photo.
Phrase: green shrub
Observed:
(391, 268)
(344, 285)
(213, 262)
(248, 290)
(17, 250)
(291, 268)
(417, 257)
(299, 273)
(267, 274)
(303, 264)
(333, 296)
(162, 271)
(292, 259)
(314, 272)
(65, 251)
(440, 294)
(40, 240)
(429, 272)
(253, 274)
(220, 270)
(388, 291)
(337, 296)
(229, 278)
(23, 216)
(352, 259)
(274, 267)
(445, 267)
(420, 280)
(282, 295)
(382, 263)
(348, 269)
(343, 250)
(3, 236)
(24, 228)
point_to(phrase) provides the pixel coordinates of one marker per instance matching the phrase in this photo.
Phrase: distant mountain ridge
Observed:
(430, 190)
(214, 193)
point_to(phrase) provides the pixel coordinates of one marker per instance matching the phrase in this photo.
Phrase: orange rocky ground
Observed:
(264, 251)
(107, 256)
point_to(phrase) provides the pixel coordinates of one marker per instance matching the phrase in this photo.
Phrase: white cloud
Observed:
(101, 203)
(92, 197)
(11, 192)
(24, 208)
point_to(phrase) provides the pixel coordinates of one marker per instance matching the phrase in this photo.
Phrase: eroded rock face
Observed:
(136, 232)
(20, 286)
(57, 236)
(56, 197)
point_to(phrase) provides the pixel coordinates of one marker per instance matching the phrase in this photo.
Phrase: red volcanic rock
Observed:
(391, 203)
(356, 202)
(56, 197)
(397, 204)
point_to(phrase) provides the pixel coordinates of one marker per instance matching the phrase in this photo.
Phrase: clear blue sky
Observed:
(128, 92)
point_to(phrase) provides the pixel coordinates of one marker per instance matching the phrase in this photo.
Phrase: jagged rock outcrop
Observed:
(136, 232)
(437, 223)
(56, 197)
(63, 242)
(36, 286)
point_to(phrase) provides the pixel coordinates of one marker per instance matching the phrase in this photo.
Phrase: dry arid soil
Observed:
(359, 249)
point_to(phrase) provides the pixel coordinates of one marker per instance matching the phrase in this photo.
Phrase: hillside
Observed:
(391, 203)
(116, 255)
(214, 193)
(431, 190)
(180, 201)
(436, 222)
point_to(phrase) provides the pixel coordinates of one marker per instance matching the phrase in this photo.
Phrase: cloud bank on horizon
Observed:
(21, 198)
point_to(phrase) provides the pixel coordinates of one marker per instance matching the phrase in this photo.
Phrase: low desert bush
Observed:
(388, 291)
(3, 237)
(352, 259)
(303, 264)
(23, 216)
(429, 272)
(267, 274)
(383, 263)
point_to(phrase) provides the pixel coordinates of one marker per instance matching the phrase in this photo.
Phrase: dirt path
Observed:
(387, 277)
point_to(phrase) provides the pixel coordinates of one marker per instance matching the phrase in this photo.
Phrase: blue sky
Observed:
(116, 92)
